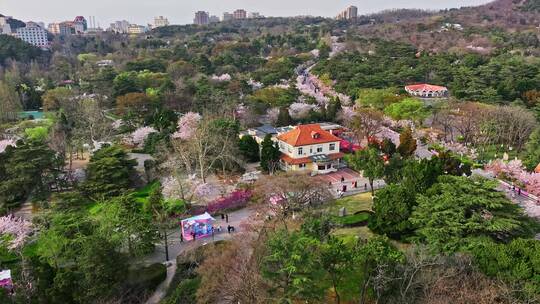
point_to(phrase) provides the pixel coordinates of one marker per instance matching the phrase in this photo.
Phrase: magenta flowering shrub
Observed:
(236, 199)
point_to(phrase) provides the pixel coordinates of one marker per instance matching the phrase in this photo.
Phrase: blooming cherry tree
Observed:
(272, 115)
(346, 115)
(513, 169)
(301, 110)
(533, 184)
(17, 229)
(6, 143)
(187, 126)
(222, 78)
(203, 190)
(141, 134)
(188, 189)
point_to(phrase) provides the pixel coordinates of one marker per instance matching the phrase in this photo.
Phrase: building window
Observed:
(319, 149)
(321, 168)
(332, 147)
(301, 166)
(300, 151)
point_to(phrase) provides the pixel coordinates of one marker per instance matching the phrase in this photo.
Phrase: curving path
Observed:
(236, 219)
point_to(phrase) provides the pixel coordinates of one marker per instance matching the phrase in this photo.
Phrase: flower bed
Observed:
(234, 200)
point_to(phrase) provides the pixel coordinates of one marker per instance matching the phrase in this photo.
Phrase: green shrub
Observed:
(37, 133)
(185, 292)
(146, 279)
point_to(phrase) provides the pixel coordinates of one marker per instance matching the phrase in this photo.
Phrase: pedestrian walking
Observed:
(229, 228)
(365, 186)
(519, 191)
(212, 233)
(226, 218)
(181, 237)
(222, 216)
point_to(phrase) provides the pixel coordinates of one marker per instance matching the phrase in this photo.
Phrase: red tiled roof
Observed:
(304, 135)
(425, 87)
(306, 160)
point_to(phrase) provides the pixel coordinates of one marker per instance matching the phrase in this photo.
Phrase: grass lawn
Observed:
(349, 235)
(352, 204)
(352, 219)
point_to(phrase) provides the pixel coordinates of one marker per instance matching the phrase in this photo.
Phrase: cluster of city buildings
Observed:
(32, 32)
(350, 13)
(203, 18)
(37, 34)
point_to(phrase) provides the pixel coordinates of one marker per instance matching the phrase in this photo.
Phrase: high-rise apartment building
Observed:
(201, 18)
(135, 29)
(78, 26)
(33, 34)
(54, 28)
(160, 21)
(349, 13)
(120, 27)
(239, 14)
(227, 16)
(214, 19)
(5, 27)
(254, 15)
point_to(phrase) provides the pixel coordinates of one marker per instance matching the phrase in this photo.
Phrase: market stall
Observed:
(198, 226)
(5, 280)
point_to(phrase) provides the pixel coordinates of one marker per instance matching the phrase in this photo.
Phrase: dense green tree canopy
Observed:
(457, 209)
(109, 173)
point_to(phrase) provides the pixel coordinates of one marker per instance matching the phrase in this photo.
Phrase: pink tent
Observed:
(5, 280)
(198, 226)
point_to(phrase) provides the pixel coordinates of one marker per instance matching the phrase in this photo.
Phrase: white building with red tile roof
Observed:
(425, 90)
(310, 148)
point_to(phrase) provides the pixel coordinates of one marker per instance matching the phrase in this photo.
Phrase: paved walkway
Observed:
(530, 205)
(176, 248)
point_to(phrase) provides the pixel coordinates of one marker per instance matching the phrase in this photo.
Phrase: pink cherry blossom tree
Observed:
(533, 184)
(272, 115)
(187, 126)
(222, 78)
(16, 229)
(301, 110)
(346, 115)
(141, 134)
(188, 189)
(6, 143)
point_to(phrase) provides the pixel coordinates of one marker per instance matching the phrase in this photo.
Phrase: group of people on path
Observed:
(519, 193)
